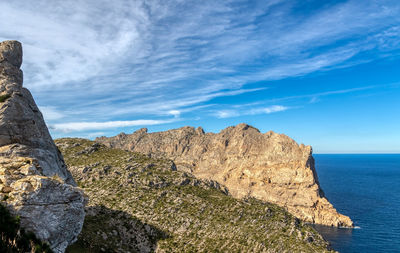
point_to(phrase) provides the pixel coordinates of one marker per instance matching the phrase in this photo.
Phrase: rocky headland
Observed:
(35, 184)
(143, 204)
(267, 166)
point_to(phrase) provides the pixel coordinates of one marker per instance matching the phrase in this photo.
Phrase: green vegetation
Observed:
(140, 204)
(3, 98)
(15, 239)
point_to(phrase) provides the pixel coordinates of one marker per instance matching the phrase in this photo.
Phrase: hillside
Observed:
(142, 204)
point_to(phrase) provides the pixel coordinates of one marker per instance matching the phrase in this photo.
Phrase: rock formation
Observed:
(142, 204)
(35, 183)
(271, 167)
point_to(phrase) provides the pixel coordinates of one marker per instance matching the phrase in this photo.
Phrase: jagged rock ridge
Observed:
(35, 183)
(271, 167)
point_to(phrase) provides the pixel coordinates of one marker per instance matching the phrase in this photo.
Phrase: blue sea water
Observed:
(366, 188)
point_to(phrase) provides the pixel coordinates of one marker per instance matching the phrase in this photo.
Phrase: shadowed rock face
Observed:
(271, 167)
(34, 180)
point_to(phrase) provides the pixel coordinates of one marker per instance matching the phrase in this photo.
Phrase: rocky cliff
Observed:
(142, 204)
(35, 183)
(271, 167)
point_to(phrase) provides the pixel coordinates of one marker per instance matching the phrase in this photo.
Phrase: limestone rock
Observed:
(34, 180)
(22, 127)
(271, 167)
(144, 204)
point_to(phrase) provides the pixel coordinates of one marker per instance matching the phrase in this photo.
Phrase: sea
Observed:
(365, 187)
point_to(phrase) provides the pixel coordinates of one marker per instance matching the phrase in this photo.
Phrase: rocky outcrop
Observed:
(35, 183)
(271, 167)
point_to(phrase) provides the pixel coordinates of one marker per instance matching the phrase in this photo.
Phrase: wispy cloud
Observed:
(101, 61)
(175, 113)
(253, 111)
(274, 108)
(226, 114)
(314, 97)
(264, 107)
(85, 126)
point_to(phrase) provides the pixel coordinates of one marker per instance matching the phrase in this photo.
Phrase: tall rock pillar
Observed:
(35, 183)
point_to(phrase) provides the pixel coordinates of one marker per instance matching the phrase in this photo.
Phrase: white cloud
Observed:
(226, 114)
(249, 110)
(175, 113)
(275, 108)
(265, 110)
(71, 42)
(85, 126)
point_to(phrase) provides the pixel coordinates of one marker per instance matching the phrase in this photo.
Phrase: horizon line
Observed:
(359, 153)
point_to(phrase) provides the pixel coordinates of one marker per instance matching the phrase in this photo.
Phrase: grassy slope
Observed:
(142, 204)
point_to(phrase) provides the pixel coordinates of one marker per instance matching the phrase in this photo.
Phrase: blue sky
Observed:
(325, 73)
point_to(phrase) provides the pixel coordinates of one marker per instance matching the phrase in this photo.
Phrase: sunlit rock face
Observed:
(271, 167)
(35, 183)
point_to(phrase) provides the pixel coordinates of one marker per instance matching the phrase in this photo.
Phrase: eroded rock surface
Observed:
(271, 167)
(35, 183)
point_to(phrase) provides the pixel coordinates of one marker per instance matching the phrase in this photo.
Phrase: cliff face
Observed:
(142, 204)
(35, 183)
(271, 167)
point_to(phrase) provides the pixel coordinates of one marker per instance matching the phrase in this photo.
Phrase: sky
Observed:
(325, 73)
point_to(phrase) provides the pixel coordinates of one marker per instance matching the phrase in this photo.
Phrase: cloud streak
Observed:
(275, 108)
(85, 126)
(222, 114)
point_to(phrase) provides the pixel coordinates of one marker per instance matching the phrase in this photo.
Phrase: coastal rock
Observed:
(35, 183)
(144, 204)
(271, 167)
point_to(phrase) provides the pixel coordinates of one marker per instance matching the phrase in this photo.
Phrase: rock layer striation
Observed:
(35, 183)
(271, 167)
